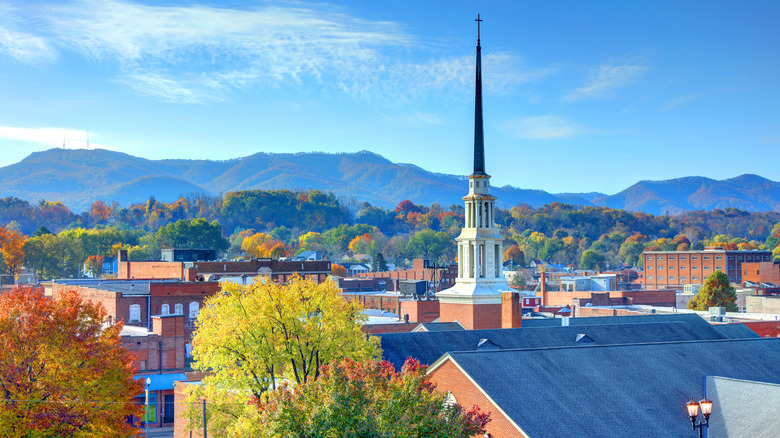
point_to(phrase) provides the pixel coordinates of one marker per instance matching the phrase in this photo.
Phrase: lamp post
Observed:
(146, 406)
(693, 413)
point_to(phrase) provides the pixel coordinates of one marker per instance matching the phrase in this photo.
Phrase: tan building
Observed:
(675, 269)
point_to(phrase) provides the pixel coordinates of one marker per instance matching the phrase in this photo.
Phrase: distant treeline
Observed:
(280, 222)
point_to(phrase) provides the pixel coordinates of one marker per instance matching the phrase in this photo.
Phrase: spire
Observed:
(479, 142)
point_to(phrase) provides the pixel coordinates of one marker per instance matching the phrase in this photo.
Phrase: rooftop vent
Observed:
(487, 344)
(583, 338)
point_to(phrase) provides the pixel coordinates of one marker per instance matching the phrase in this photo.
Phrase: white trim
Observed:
(440, 361)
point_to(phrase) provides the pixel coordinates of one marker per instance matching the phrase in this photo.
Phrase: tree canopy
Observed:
(63, 373)
(251, 337)
(715, 292)
(366, 400)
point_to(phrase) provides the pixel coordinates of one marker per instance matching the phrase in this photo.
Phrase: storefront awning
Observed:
(162, 381)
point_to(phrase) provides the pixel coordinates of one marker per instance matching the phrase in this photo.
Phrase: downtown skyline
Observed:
(578, 97)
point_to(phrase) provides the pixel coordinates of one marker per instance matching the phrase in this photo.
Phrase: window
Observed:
(706, 257)
(731, 257)
(694, 257)
(683, 278)
(649, 267)
(719, 268)
(731, 268)
(178, 309)
(142, 366)
(660, 267)
(683, 258)
(671, 277)
(649, 277)
(165, 310)
(649, 257)
(706, 267)
(694, 267)
(135, 313)
(660, 257)
(683, 267)
(695, 278)
(671, 267)
(194, 309)
(660, 277)
(671, 257)
(739, 257)
(718, 258)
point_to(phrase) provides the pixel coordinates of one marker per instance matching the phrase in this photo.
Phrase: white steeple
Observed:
(480, 246)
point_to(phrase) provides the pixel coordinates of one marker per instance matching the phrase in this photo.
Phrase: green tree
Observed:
(593, 260)
(715, 292)
(428, 244)
(630, 252)
(368, 400)
(195, 233)
(251, 337)
(378, 264)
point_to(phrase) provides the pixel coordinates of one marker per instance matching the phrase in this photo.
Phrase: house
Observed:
(596, 283)
(354, 269)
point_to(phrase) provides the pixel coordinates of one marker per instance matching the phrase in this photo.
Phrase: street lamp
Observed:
(146, 406)
(693, 412)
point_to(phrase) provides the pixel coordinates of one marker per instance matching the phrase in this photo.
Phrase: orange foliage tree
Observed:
(338, 270)
(12, 249)
(63, 372)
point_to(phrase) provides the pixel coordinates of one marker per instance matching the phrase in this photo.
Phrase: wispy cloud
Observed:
(196, 54)
(605, 78)
(679, 101)
(54, 137)
(542, 128)
(25, 47)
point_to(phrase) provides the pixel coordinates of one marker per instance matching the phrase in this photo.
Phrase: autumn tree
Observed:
(515, 254)
(367, 399)
(252, 337)
(715, 292)
(63, 372)
(12, 249)
(338, 270)
(94, 265)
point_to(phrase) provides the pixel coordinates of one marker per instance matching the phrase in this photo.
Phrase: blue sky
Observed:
(579, 96)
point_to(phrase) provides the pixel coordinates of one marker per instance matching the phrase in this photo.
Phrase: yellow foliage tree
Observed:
(252, 337)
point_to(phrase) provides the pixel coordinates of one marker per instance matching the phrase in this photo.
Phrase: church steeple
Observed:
(479, 138)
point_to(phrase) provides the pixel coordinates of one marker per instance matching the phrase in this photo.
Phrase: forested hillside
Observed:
(256, 223)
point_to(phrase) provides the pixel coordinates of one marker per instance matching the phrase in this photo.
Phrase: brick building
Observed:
(135, 301)
(236, 271)
(438, 278)
(761, 272)
(158, 355)
(674, 269)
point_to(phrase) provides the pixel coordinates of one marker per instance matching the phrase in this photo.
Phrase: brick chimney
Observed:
(511, 312)
(543, 284)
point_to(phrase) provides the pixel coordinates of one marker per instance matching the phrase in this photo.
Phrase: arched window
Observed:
(165, 310)
(135, 313)
(194, 309)
(178, 309)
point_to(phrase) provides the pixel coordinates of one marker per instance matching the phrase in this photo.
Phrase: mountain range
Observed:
(78, 177)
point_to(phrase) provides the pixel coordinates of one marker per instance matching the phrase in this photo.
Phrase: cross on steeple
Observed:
(478, 20)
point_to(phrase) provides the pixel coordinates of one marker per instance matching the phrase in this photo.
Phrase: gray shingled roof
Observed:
(613, 391)
(429, 346)
(439, 327)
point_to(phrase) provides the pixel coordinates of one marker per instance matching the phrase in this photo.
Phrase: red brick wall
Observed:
(449, 377)
(763, 272)
(666, 297)
(144, 348)
(472, 317)
(148, 270)
(511, 312)
(420, 311)
(765, 329)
